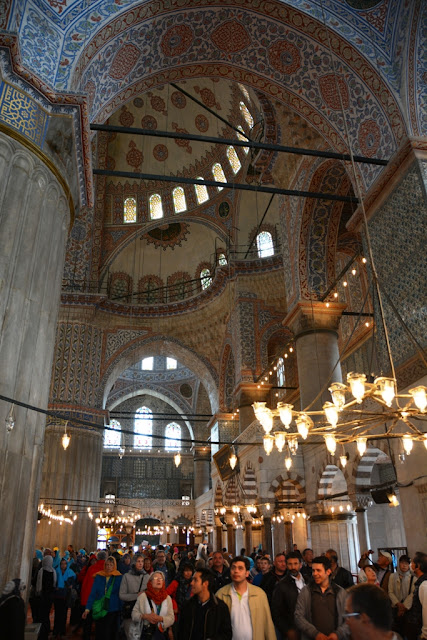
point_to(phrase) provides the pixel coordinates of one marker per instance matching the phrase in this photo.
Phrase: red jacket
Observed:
(89, 579)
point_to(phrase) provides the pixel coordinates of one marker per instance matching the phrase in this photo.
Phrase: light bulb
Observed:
(419, 396)
(267, 506)
(331, 413)
(65, 440)
(288, 462)
(268, 442)
(280, 440)
(408, 443)
(304, 423)
(233, 460)
(387, 389)
(338, 390)
(177, 459)
(343, 460)
(425, 440)
(357, 385)
(10, 420)
(285, 413)
(331, 444)
(361, 445)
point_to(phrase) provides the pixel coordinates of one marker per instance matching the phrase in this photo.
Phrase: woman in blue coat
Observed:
(105, 581)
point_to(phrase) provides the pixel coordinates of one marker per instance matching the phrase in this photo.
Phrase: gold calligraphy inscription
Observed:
(21, 113)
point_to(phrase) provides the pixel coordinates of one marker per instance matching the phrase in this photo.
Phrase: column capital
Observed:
(314, 316)
(202, 452)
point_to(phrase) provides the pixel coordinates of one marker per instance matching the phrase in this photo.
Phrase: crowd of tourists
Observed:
(163, 594)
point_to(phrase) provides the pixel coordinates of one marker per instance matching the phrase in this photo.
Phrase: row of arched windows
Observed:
(178, 194)
(143, 433)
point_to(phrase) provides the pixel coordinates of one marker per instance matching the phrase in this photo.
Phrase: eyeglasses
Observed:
(350, 615)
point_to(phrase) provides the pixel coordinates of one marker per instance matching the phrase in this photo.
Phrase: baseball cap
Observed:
(387, 555)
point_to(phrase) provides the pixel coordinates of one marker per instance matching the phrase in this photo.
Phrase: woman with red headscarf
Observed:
(153, 611)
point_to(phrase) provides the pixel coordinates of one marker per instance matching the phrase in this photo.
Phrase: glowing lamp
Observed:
(331, 444)
(304, 423)
(268, 442)
(331, 413)
(361, 445)
(259, 408)
(65, 440)
(419, 396)
(233, 460)
(288, 462)
(285, 413)
(343, 460)
(293, 445)
(337, 390)
(357, 385)
(280, 439)
(386, 388)
(408, 443)
(177, 459)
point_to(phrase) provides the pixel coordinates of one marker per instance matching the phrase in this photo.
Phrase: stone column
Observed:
(315, 327)
(71, 477)
(266, 535)
(248, 536)
(231, 539)
(288, 531)
(338, 532)
(202, 458)
(239, 541)
(363, 529)
(219, 544)
(34, 218)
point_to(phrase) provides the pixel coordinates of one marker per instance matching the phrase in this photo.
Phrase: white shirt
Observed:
(299, 581)
(240, 615)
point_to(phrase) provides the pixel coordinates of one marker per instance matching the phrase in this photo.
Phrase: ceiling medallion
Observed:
(168, 235)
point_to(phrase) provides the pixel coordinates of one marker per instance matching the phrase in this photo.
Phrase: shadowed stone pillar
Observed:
(315, 327)
(266, 535)
(34, 219)
(363, 529)
(338, 532)
(72, 476)
(202, 458)
(248, 536)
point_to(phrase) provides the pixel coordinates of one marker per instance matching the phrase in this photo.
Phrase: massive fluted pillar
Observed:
(34, 218)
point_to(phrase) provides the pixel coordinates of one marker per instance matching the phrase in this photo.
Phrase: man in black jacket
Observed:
(204, 616)
(285, 597)
(277, 573)
(342, 577)
(220, 571)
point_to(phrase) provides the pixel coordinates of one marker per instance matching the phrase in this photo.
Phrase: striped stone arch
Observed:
(372, 456)
(288, 488)
(218, 496)
(330, 476)
(249, 485)
(232, 493)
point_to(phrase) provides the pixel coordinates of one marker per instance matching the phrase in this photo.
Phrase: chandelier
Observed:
(353, 415)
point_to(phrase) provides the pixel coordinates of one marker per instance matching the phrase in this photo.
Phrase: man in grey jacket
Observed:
(321, 605)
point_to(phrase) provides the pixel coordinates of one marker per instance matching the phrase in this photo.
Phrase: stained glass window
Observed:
(129, 210)
(245, 92)
(242, 138)
(205, 278)
(222, 260)
(156, 207)
(143, 428)
(246, 114)
(112, 439)
(147, 363)
(233, 159)
(218, 174)
(170, 363)
(280, 372)
(173, 431)
(264, 243)
(201, 191)
(179, 201)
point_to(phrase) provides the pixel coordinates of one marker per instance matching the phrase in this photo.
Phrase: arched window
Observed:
(129, 210)
(201, 191)
(143, 428)
(246, 114)
(179, 201)
(218, 174)
(205, 278)
(147, 363)
(242, 138)
(233, 159)
(280, 372)
(113, 436)
(264, 243)
(173, 431)
(156, 207)
(170, 363)
(222, 260)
